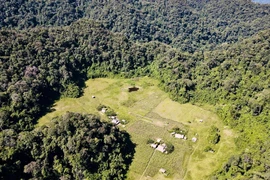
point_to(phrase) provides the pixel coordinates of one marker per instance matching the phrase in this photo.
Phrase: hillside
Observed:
(187, 24)
(201, 51)
(72, 146)
(150, 114)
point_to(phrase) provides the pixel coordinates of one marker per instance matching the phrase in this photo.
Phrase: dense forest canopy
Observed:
(73, 146)
(202, 51)
(187, 24)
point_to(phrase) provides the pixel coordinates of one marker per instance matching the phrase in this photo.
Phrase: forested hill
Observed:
(187, 24)
(201, 51)
(39, 65)
(73, 146)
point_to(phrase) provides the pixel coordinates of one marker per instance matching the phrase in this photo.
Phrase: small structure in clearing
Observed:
(194, 139)
(131, 89)
(153, 145)
(114, 119)
(103, 110)
(158, 146)
(162, 170)
(178, 136)
(93, 97)
(162, 148)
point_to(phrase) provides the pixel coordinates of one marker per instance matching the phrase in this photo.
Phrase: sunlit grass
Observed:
(151, 114)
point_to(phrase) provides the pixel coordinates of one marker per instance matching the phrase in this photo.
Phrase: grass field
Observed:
(150, 114)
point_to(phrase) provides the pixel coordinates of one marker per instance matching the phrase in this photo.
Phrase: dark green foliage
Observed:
(110, 112)
(188, 25)
(254, 164)
(150, 141)
(72, 91)
(74, 146)
(39, 65)
(179, 131)
(214, 136)
(170, 147)
(100, 107)
(208, 149)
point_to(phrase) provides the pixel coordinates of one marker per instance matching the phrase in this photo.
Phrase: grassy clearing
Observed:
(200, 164)
(151, 114)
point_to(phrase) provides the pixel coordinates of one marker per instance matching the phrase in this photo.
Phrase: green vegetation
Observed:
(179, 131)
(152, 116)
(169, 147)
(201, 51)
(108, 111)
(214, 136)
(187, 25)
(150, 141)
(70, 147)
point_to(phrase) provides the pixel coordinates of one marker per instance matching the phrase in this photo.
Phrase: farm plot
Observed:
(150, 114)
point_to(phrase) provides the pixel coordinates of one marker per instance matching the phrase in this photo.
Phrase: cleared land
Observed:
(150, 114)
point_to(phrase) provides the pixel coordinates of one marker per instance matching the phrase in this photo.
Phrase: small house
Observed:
(103, 110)
(179, 136)
(93, 97)
(115, 121)
(161, 148)
(153, 145)
(161, 170)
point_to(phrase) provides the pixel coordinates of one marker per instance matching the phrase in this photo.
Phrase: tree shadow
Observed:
(128, 152)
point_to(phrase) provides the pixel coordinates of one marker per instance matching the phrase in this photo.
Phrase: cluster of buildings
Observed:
(159, 146)
(114, 120)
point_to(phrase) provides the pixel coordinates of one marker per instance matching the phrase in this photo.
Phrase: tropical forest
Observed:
(134, 89)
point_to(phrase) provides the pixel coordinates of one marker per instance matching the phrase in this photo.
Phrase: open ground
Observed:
(150, 114)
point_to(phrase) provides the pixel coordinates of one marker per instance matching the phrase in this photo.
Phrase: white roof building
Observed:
(161, 148)
(154, 146)
(179, 136)
(103, 110)
(162, 170)
(115, 121)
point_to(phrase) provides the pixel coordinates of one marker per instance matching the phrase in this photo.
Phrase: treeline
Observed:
(236, 80)
(187, 25)
(43, 64)
(47, 51)
(39, 65)
(73, 146)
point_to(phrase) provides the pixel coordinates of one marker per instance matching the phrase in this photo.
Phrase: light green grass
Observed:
(151, 114)
(200, 164)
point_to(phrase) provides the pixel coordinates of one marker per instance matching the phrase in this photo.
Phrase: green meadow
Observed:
(150, 114)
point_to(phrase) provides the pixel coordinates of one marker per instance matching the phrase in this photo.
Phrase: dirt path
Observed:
(151, 157)
(189, 159)
(148, 164)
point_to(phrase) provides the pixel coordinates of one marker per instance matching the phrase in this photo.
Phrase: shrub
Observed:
(170, 147)
(150, 141)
